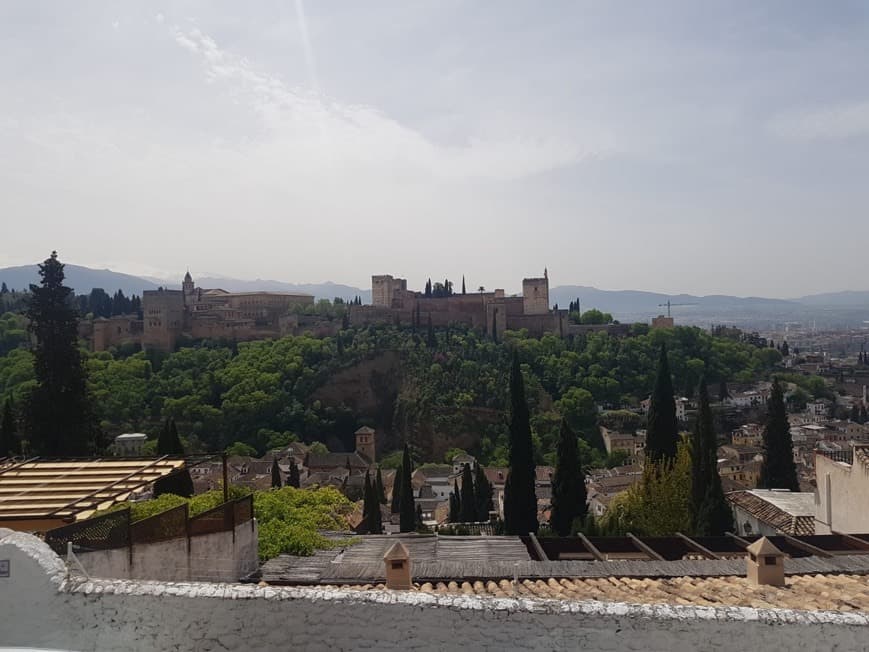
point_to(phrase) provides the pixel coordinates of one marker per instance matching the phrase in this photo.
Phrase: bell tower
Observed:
(365, 443)
(187, 286)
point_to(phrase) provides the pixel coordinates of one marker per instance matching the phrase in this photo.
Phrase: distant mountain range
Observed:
(832, 309)
(81, 279)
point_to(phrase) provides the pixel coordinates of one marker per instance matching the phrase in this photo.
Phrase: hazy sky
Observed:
(674, 146)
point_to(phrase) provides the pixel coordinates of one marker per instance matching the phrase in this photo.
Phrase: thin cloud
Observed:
(829, 123)
(350, 135)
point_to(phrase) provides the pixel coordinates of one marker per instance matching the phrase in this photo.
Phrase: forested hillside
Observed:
(440, 390)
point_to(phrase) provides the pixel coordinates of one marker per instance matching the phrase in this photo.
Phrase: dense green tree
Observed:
(777, 471)
(463, 284)
(430, 340)
(785, 349)
(406, 509)
(9, 443)
(520, 497)
(711, 512)
(293, 479)
(169, 443)
(468, 501)
(276, 474)
(662, 431)
(60, 418)
(483, 493)
(568, 484)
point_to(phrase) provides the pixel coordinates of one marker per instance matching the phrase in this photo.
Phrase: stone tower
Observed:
(365, 443)
(188, 287)
(535, 295)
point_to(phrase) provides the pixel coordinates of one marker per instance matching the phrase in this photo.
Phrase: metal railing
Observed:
(171, 524)
(115, 529)
(104, 532)
(846, 456)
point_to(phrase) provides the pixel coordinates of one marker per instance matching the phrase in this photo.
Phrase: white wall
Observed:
(842, 495)
(40, 607)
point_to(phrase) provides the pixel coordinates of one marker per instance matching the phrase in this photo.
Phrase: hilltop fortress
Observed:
(491, 312)
(168, 315)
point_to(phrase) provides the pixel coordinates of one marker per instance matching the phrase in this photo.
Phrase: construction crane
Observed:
(668, 304)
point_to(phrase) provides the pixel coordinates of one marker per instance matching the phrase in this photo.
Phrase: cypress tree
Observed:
(662, 431)
(778, 470)
(378, 487)
(711, 513)
(179, 483)
(418, 518)
(463, 284)
(520, 498)
(458, 495)
(293, 479)
(406, 511)
(9, 444)
(785, 349)
(367, 506)
(59, 419)
(568, 484)
(396, 492)
(276, 474)
(482, 493)
(469, 502)
(455, 515)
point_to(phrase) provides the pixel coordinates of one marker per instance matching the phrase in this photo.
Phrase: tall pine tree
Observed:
(396, 491)
(293, 479)
(455, 515)
(60, 419)
(482, 493)
(568, 483)
(378, 487)
(662, 430)
(372, 520)
(276, 474)
(520, 497)
(711, 513)
(169, 443)
(778, 470)
(9, 443)
(468, 503)
(406, 508)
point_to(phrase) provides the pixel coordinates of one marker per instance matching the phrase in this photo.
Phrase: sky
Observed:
(711, 147)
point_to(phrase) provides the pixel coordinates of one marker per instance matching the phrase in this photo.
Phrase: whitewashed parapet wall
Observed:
(41, 607)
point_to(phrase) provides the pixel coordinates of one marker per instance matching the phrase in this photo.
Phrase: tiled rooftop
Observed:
(802, 592)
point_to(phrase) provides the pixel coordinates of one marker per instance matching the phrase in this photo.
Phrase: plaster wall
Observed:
(217, 557)
(841, 494)
(43, 607)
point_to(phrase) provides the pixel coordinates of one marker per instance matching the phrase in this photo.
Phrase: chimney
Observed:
(397, 560)
(765, 563)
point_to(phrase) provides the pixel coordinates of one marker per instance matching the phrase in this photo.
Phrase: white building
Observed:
(130, 444)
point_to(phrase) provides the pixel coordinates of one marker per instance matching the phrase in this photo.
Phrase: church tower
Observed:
(187, 286)
(365, 443)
